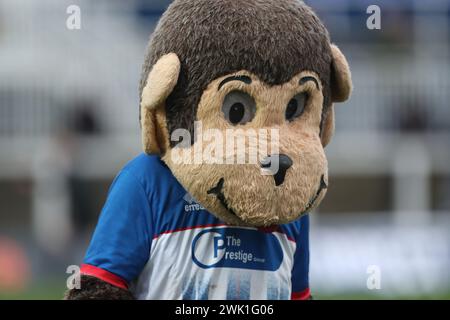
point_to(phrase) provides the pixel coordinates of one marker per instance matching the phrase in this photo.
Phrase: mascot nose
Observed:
(277, 164)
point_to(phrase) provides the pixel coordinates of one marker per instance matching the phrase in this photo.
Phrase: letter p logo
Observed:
(219, 244)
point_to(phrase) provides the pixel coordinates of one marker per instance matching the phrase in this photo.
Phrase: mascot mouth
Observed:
(218, 192)
(322, 186)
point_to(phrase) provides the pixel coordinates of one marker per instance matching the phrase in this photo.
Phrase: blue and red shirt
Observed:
(155, 240)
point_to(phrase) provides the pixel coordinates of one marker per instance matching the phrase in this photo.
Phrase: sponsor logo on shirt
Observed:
(192, 204)
(236, 248)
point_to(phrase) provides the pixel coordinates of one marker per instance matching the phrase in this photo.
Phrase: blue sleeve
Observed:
(300, 271)
(122, 239)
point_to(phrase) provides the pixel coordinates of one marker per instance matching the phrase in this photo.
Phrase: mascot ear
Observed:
(161, 80)
(341, 78)
(341, 89)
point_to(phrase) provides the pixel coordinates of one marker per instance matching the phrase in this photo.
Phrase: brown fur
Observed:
(95, 289)
(328, 127)
(161, 81)
(274, 42)
(341, 78)
(273, 39)
(155, 137)
(150, 142)
(254, 197)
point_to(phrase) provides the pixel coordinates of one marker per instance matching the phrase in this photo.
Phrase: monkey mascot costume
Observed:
(205, 227)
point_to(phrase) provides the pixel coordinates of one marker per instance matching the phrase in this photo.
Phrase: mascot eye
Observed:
(239, 107)
(296, 107)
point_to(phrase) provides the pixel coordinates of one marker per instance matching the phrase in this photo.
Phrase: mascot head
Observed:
(237, 98)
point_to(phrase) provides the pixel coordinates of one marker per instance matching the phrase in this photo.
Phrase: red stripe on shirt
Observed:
(190, 228)
(302, 295)
(104, 275)
(265, 230)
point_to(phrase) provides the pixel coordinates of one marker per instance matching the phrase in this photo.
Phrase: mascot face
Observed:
(279, 186)
(237, 98)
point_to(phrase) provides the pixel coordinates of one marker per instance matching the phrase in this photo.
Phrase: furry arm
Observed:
(95, 289)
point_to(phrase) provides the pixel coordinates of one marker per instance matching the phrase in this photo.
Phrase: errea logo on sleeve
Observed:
(192, 204)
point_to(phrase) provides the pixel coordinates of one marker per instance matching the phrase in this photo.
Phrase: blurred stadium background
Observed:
(69, 122)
